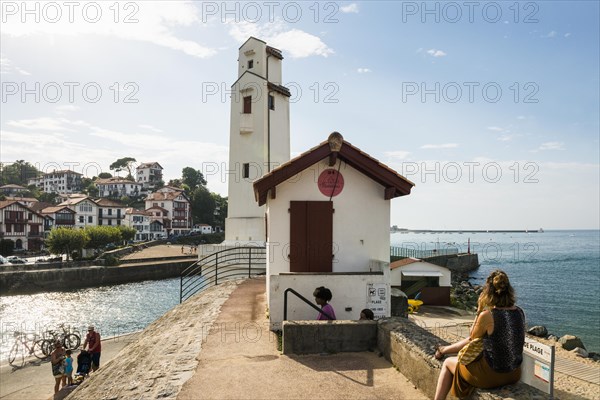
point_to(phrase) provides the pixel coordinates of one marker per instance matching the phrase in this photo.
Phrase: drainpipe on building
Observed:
(268, 122)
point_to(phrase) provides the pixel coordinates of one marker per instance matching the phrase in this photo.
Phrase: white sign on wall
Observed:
(377, 295)
(537, 369)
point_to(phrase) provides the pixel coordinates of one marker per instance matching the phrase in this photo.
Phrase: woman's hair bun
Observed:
(500, 281)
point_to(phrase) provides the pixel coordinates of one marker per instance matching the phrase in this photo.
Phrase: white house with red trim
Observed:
(413, 275)
(327, 222)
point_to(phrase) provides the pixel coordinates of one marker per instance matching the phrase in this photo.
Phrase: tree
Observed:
(17, 173)
(100, 236)
(88, 187)
(104, 175)
(126, 232)
(123, 164)
(51, 198)
(64, 240)
(203, 206)
(175, 183)
(6, 247)
(220, 210)
(193, 178)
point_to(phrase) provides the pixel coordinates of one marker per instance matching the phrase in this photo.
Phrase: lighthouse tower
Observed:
(259, 138)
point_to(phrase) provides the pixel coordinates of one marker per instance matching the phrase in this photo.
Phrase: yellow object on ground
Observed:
(413, 305)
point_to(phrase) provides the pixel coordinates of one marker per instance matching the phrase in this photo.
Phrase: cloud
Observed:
(65, 109)
(495, 128)
(295, 42)
(506, 138)
(567, 34)
(398, 154)
(550, 34)
(521, 117)
(42, 124)
(436, 53)
(552, 146)
(363, 70)
(151, 128)
(7, 68)
(149, 21)
(440, 146)
(350, 8)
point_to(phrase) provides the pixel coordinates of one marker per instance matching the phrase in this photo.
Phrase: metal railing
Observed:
(304, 299)
(235, 262)
(417, 253)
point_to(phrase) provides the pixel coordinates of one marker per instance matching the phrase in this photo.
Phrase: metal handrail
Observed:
(304, 299)
(220, 265)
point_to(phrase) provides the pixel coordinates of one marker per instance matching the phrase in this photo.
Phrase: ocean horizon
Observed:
(555, 273)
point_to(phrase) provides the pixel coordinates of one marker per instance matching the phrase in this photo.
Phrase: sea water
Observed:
(556, 274)
(112, 310)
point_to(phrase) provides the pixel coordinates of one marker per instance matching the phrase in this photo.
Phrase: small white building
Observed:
(148, 227)
(202, 228)
(117, 187)
(412, 276)
(110, 212)
(174, 207)
(149, 174)
(86, 210)
(327, 222)
(60, 182)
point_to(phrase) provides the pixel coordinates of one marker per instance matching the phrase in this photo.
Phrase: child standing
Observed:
(69, 367)
(322, 297)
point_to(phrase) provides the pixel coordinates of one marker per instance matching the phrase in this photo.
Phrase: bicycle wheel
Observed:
(47, 347)
(15, 357)
(38, 349)
(71, 341)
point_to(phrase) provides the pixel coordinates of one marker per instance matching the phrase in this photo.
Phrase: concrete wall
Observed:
(24, 282)
(457, 262)
(410, 348)
(316, 337)
(349, 292)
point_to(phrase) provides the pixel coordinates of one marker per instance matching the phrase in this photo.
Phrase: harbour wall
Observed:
(59, 279)
(463, 262)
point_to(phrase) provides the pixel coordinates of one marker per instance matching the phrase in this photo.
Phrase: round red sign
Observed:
(331, 182)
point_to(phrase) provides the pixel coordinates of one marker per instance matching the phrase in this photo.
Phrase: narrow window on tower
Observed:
(250, 64)
(271, 102)
(246, 170)
(248, 105)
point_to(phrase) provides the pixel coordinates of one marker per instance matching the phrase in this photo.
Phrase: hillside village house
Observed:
(117, 187)
(85, 208)
(149, 174)
(328, 219)
(58, 182)
(26, 201)
(22, 225)
(148, 227)
(110, 212)
(62, 216)
(172, 207)
(12, 190)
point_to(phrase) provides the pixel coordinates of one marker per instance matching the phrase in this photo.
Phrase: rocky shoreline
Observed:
(464, 295)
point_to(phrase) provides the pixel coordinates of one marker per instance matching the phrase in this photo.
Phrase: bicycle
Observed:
(35, 347)
(70, 341)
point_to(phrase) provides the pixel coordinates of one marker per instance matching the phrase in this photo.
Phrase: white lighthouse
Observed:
(259, 138)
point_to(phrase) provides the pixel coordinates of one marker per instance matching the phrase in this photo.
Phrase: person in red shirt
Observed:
(95, 346)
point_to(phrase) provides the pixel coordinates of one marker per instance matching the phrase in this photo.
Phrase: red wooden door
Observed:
(311, 236)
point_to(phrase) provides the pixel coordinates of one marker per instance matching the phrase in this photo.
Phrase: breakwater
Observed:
(58, 279)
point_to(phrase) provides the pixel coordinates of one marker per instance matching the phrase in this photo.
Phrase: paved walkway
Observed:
(240, 360)
(440, 320)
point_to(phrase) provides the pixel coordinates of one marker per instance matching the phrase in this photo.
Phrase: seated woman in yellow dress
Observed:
(501, 325)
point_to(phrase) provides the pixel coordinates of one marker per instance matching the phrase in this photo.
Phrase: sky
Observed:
(490, 108)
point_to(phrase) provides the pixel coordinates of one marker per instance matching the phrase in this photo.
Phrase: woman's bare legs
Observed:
(57, 384)
(445, 379)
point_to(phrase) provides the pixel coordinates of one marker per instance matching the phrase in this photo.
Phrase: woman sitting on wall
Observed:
(501, 325)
